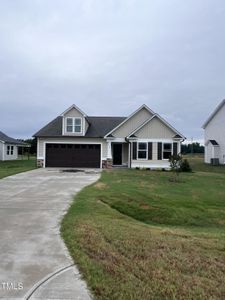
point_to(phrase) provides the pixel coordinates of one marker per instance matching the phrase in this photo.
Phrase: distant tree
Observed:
(192, 148)
(33, 146)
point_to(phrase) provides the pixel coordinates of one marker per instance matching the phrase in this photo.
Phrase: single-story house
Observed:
(9, 147)
(73, 139)
(214, 135)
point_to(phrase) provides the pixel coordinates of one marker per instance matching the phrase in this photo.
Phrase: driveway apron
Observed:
(34, 262)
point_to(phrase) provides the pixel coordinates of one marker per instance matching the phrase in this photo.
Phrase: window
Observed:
(77, 125)
(167, 150)
(142, 151)
(69, 124)
(73, 125)
(10, 150)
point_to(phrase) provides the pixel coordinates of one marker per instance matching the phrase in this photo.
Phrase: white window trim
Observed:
(8, 150)
(142, 150)
(168, 151)
(73, 125)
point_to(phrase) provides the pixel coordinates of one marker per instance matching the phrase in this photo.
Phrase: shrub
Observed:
(185, 166)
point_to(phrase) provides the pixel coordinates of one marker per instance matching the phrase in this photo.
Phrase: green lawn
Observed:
(12, 167)
(196, 162)
(136, 235)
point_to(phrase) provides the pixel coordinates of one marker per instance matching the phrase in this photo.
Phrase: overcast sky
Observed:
(109, 57)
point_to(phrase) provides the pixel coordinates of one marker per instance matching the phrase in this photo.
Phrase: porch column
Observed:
(109, 150)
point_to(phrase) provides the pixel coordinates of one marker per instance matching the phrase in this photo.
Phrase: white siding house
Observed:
(214, 135)
(9, 147)
(74, 139)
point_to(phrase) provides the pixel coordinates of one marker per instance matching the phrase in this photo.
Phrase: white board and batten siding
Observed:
(5, 155)
(215, 130)
(1, 151)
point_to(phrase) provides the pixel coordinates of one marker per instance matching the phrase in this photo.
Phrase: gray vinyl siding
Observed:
(74, 113)
(77, 140)
(155, 129)
(134, 122)
(215, 130)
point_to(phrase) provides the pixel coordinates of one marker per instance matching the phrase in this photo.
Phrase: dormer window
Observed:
(73, 125)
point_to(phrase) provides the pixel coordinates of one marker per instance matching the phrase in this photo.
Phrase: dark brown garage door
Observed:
(73, 155)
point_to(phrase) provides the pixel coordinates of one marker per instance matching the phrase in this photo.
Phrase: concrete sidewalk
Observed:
(34, 262)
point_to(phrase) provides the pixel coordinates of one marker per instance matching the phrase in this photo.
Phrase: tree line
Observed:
(192, 148)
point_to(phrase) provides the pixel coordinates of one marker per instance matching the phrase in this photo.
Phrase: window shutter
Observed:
(134, 150)
(159, 151)
(175, 149)
(150, 151)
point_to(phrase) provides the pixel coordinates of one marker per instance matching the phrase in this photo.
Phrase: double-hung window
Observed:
(73, 125)
(142, 150)
(10, 150)
(167, 150)
(69, 124)
(77, 125)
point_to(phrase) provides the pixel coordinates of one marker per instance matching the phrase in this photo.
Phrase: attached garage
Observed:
(73, 155)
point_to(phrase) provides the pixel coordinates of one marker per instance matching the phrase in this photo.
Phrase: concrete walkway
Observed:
(34, 262)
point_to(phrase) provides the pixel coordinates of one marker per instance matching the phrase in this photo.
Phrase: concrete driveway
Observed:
(34, 262)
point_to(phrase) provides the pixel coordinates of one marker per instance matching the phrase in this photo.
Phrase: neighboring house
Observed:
(215, 135)
(73, 139)
(9, 147)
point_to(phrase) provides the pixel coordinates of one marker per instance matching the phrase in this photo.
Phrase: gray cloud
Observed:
(109, 57)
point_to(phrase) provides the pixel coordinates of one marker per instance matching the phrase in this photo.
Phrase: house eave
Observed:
(71, 107)
(213, 114)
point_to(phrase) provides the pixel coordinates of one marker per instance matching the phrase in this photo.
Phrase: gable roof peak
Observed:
(146, 107)
(71, 107)
(130, 116)
(162, 120)
(213, 113)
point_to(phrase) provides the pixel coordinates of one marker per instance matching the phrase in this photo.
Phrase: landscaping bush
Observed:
(185, 166)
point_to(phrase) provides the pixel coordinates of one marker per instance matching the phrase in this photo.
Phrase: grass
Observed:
(12, 167)
(197, 164)
(136, 235)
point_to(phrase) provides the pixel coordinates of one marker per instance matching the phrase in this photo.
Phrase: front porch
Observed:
(140, 153)
(117, 155)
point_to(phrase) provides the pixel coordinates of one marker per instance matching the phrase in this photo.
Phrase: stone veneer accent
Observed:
(40, 163)
(107, 164)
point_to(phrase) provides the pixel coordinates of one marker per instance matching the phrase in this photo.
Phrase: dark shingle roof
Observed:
(5, 138)
(54, 128)
(177, 136)
(214, 143)
(98, 127)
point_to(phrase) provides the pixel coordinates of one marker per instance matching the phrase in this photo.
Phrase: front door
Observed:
(117, 154)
